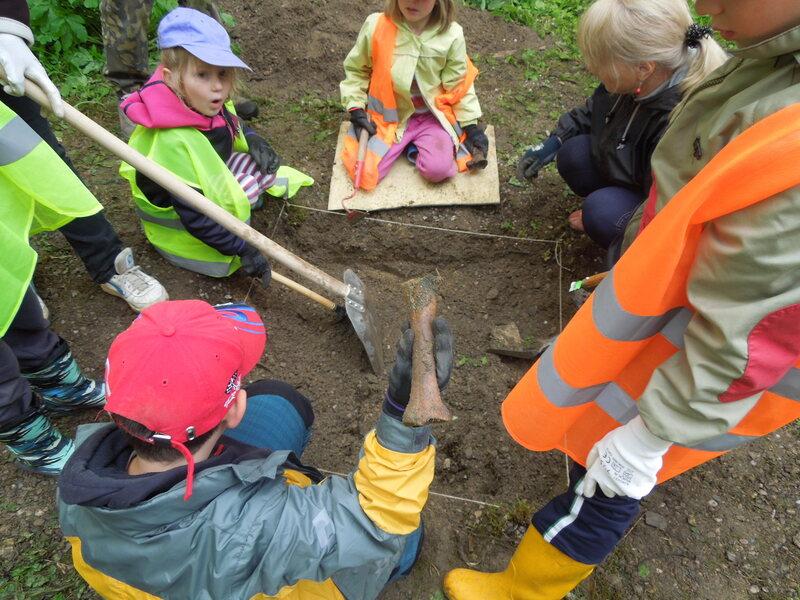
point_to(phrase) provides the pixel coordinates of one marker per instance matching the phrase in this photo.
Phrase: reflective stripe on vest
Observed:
(382, 108)
(589, 380)
(212, 269)
(17, 140)
(390, 115)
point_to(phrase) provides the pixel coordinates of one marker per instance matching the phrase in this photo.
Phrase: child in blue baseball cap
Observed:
(186, 123)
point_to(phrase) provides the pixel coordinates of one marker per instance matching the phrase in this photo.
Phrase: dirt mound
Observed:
(298, 47)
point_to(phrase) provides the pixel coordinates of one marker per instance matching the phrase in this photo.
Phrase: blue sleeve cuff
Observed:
(393, 435)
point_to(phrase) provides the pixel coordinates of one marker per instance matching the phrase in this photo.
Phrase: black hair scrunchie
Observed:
(695, 33)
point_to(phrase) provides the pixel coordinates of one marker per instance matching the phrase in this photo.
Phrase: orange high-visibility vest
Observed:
(382, 108)
(589, 380)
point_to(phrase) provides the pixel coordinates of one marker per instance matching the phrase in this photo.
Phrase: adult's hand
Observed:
(625, 462)
(398, 393)
(537, 157)
(18, 63)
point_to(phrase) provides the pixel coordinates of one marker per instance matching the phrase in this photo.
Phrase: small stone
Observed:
(713, 503)
(692, 521)
(493, 293)
(731, 556)
(507, 337)
(447, 463)
(754, 589)
(655, 520)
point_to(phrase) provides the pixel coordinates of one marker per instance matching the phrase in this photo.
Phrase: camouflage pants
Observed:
(125, 26)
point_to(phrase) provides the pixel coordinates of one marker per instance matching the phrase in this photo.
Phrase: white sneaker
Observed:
(133, 285)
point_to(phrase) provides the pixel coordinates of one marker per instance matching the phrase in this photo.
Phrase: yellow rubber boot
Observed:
(537, 571)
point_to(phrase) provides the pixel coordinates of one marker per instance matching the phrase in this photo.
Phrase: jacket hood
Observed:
(96, 474)
(156, 106)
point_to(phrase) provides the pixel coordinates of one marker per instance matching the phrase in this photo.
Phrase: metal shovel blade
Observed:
(359, 311)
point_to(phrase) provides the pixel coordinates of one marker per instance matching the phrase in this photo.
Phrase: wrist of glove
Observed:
(18, 63)
(264, 156)
(537, 157)
(398, 392)
(476, 141)
(255, 265)
(625, 462)
(360, 120)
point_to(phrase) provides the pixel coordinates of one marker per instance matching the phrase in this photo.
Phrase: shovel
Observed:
(356, 301)
(363, 141)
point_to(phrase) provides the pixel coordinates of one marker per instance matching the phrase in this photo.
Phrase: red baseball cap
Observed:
(177, 368)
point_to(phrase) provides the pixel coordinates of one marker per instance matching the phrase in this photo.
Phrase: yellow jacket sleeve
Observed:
(394, 474)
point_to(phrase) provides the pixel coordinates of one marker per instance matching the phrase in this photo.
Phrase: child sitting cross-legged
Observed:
(186, 123)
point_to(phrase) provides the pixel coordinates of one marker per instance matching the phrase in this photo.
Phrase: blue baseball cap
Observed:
(200, 35)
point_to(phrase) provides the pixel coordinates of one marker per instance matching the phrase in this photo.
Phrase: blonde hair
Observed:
(631, 32)
(178, 60)
(443, 15)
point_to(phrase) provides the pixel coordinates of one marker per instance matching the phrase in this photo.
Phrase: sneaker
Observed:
(64, 388)
(38, 446)
(132, 284)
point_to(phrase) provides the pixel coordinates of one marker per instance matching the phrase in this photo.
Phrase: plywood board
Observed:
(404, 187)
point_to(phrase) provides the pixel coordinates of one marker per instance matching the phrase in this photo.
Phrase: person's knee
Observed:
(606, 212)
(275, 387)
(436, 168)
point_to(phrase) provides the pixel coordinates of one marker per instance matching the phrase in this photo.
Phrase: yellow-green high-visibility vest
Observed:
(187, 153)
(38, 192)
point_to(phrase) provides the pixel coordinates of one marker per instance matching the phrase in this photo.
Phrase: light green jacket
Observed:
(748, 263)
(437, 60)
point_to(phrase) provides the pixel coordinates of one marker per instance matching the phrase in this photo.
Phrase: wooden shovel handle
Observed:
(426, 403)
(190, 196)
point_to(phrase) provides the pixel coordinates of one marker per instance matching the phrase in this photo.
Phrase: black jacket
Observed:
(624, 133)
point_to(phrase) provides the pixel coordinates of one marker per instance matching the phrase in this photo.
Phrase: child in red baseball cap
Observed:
(203, 475)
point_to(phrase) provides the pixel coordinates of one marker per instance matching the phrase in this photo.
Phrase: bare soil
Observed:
(730, 528)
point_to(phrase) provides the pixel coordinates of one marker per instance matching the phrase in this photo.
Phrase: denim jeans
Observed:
(606, 208)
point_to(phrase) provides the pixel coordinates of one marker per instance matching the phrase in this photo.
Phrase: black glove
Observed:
(399, 391)
(476, 140)
(263, 154)
(537, 157)
(255, 265)
(360, 120)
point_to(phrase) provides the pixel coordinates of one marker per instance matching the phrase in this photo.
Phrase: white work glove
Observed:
(625, 462)
(18, 62)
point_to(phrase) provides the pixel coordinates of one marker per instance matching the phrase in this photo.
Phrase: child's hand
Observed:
(476, 140)
(360, 120)
(255, 265)
(263, 154)
(537, 157)
(398, 393)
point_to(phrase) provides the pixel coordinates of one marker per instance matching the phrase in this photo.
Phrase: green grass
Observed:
(557, 19)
